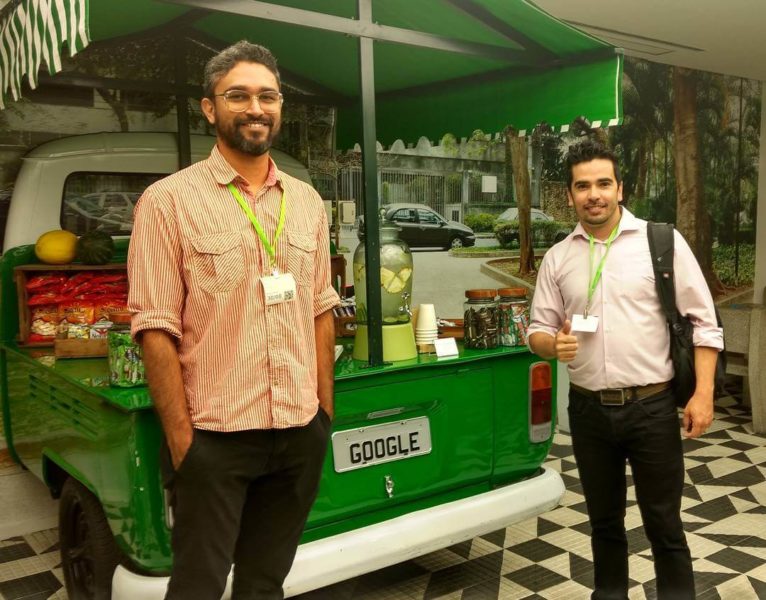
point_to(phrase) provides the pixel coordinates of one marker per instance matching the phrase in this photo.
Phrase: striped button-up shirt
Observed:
(632, 343)
(195, 265)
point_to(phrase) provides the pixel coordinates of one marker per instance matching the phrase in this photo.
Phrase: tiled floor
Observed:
(724, 512)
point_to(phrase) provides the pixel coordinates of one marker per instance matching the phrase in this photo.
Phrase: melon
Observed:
(95, 248)
(57, 247)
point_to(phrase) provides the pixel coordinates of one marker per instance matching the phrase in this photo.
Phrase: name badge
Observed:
(584, 324)
(278, 288)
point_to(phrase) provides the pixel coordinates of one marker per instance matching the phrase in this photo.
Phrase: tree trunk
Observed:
(518, 148)
(508, 165)
(692, 219)
(116, 104)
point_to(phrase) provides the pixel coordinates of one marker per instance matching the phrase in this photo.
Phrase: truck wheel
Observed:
(89, 554)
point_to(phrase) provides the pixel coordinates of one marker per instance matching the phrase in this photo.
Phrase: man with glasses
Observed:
(231, 298)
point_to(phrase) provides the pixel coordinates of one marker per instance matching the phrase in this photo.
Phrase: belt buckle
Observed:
(612, 397)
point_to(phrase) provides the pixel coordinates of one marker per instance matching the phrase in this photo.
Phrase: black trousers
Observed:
(242, 498)
(647, 435)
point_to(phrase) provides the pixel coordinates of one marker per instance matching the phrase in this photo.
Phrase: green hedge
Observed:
(723, 264)
(481, 223)
(543, 232)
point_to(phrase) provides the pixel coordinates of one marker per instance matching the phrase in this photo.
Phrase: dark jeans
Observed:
(647, 435)
(242, 498)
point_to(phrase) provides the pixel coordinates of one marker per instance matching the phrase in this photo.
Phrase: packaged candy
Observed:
(78, 331)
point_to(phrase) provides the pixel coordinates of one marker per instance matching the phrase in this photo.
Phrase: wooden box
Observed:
(22, 274)
(345, 326)
(80, 348)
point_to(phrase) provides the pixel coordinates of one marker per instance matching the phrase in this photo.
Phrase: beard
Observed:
(231, 133)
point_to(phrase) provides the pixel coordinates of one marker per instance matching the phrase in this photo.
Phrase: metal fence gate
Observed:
(451, 194)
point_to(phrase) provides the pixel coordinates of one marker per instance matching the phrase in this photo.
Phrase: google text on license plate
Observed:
(366, 446)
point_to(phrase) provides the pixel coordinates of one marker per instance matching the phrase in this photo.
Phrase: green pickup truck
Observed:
(425, 453)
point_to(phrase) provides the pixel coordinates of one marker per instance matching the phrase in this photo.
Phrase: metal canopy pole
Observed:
(362, 28)
(370, 186)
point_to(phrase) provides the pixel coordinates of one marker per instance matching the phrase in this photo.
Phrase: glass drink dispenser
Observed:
(395, 296)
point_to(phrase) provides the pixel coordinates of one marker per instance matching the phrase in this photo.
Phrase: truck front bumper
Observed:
(346, 555)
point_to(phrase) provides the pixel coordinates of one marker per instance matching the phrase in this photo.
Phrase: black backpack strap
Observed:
(660, 237)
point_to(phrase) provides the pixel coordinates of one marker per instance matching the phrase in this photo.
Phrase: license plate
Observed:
(367, 446)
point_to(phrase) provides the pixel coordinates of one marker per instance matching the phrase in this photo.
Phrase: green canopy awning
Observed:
(440, 65)
(396, 69)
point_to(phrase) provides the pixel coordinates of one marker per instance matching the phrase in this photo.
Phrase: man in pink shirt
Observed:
(229, 268)
(596, 308)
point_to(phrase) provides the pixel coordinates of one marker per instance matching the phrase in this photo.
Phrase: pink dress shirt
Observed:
(631, 346)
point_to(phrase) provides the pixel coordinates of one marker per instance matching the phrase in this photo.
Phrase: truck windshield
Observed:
(103, 201)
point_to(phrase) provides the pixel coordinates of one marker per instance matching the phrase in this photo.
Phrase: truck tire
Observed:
(89, 554)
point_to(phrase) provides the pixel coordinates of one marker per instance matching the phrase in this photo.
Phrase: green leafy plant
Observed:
(481, 223)
(724, 262)
(543, 232)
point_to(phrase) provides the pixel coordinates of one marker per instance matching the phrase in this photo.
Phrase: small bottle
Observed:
(126, 365)
(513, 309)
(480, 319)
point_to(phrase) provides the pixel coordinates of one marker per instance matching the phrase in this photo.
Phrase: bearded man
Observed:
(231, 298)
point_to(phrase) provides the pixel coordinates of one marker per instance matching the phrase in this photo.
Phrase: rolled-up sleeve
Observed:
(693, 297)
(547, 314)
(325, 296)
(156, 295)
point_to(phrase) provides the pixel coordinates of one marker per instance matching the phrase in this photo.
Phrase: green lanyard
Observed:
(594, 279)
(271, 249)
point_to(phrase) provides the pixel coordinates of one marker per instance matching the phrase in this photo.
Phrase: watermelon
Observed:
(95, 248)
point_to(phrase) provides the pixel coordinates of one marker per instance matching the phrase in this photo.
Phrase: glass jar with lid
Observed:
(126, 365)
(395, 296)
(513, 313)
(480, 319)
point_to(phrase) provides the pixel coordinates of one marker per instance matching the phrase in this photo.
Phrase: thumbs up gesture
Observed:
(566, 343)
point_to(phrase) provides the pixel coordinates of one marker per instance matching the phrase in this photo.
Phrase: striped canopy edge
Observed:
(33, 33)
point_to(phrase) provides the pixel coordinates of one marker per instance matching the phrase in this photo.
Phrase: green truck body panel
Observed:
(62, 416)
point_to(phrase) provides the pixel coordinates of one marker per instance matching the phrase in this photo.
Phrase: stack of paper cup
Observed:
(426, 330)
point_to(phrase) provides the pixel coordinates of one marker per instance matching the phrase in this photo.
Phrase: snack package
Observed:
(44, 298)
(75, 281)
(78, 331)
(109, 305)
(77, 312)
(44, 321)
(45, 281)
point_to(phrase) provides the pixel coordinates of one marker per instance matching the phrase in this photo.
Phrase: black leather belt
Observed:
(620, 396)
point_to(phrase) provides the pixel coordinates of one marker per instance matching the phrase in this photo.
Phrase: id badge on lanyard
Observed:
(277, 287)
(588, 323)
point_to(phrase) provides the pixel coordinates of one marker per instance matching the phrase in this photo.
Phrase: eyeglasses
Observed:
(238, 101)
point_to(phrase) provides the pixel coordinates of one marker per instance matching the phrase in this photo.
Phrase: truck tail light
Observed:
(540, 402)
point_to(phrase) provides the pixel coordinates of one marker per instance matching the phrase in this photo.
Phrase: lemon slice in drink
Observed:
(392, 282)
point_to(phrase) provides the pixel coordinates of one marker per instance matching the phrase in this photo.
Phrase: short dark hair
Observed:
(243, 51)
(587, 151)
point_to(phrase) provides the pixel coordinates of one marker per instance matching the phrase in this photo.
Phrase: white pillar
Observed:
(759, 282)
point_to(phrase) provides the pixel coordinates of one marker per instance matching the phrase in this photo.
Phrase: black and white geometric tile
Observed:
(547, 557)
(724, 512)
